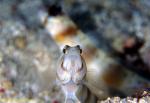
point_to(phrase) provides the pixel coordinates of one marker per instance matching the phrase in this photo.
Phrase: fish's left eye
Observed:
(78, 46)
(80, 51)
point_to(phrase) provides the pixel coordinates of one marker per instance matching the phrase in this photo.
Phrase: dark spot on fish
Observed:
(131, 57)
(114, 76)
(54, 10)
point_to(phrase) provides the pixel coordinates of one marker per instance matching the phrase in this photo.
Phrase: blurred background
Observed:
(118, 31)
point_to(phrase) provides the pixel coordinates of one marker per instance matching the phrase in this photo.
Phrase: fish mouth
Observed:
(70, 101)
(70, 89)
(71, 82)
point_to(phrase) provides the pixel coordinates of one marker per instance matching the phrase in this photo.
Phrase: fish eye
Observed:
(78, 46)
(64, 51)
(65, 48)
(80, 51)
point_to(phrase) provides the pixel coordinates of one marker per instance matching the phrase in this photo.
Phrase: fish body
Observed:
(103, 71)
(71, 73)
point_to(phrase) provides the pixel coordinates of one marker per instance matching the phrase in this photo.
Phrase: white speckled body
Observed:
(71, 72)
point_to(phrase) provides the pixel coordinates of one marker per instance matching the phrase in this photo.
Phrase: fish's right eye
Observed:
(65, 48)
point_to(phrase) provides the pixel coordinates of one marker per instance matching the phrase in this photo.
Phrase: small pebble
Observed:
(20, 42)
